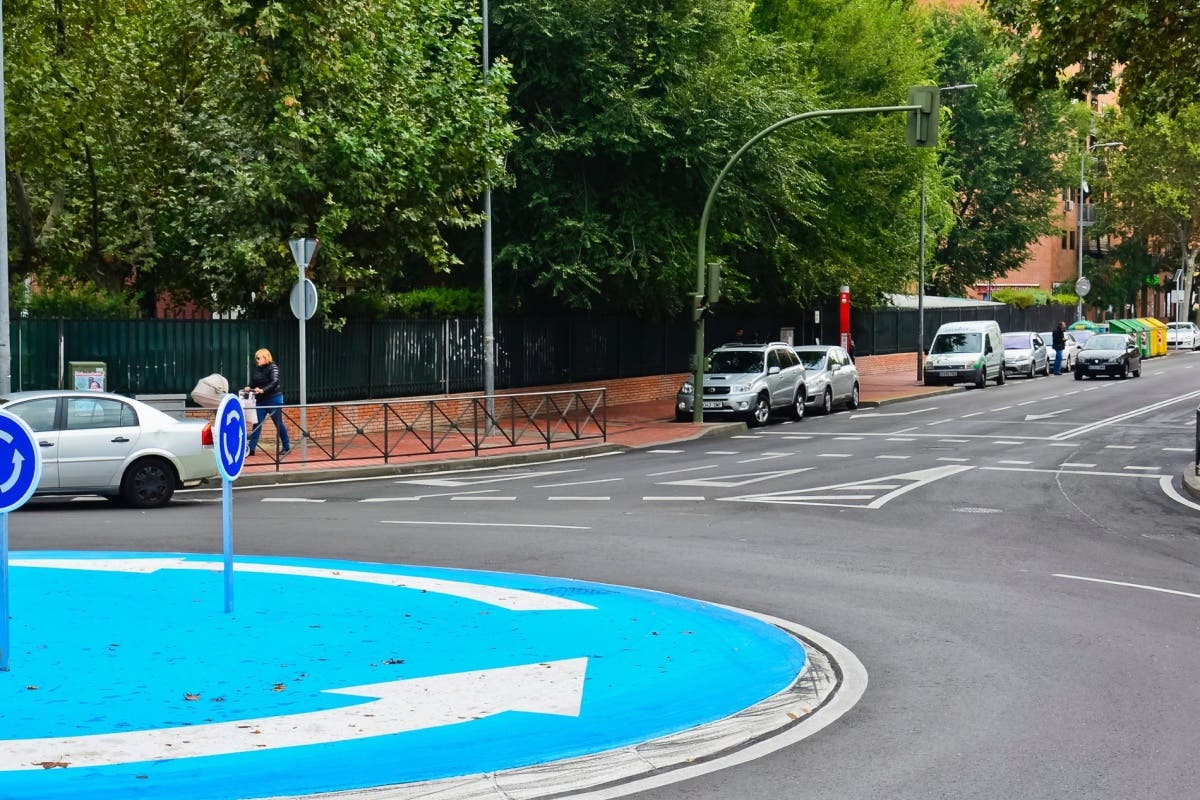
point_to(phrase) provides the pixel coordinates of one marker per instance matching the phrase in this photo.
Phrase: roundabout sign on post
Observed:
(20, 473)
(230, 448)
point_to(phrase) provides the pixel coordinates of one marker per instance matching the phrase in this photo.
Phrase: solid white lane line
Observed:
(1128, 585)
(677, 471)
(680, 498)
(1089, 473)
(575, 483)
(485, 524)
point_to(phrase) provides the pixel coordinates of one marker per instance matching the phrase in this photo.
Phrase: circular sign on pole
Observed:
(20, 462)
(1082, 287)
(230, 434)
(310, 300)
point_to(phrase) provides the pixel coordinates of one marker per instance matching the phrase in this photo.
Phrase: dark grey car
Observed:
(1113, 354)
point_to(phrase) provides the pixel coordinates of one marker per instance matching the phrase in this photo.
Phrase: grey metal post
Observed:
(489, 333)
(921, 285)
(5, 344)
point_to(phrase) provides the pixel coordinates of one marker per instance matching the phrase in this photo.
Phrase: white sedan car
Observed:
(108, 444)
(1183, 334)
(830, 377)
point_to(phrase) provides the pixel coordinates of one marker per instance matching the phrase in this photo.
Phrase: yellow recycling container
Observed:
(1158, 335)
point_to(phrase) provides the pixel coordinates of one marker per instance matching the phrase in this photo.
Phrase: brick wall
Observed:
(877, 365)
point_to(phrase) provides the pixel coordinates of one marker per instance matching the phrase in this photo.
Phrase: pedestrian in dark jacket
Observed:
(1059, 343)
(269, 400)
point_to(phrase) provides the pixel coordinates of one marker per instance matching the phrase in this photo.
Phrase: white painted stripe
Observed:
(940, 422)
(485, 524)
(1127, 415)
(835, 455)
(747, 436)
(1128, 585)
(1177, 449)
(423, 496)
(508, 499)
(722, 453)
(767, 457)
(1028, 403)
(897, 458)
(972, 414)
(901, 439)
(1007, 441)
(1001, 408)
(290, 500)
(677, 471)
(950, 458)
(1072, 472)
(680, 498)
(1061, 444)
(1019, 463)
(568, 498)
(953, 441)
(847, 438)
(665, 452)
(1119, 447)
(575, 483)
(1147, 469)
(1075, 465)
(1165, 482)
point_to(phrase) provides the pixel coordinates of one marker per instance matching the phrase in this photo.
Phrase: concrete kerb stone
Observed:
(1191, 481)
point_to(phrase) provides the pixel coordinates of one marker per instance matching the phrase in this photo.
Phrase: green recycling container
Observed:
(1139, 330)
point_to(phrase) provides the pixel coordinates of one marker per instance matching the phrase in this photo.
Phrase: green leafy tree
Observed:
(1003, 160)
(1152, 187)
(1080, 43)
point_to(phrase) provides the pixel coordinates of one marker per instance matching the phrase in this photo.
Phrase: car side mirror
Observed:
(772, 370)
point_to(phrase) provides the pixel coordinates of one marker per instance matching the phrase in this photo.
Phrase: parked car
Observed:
(1070, 352)
(1115, 354)
(748, 381)
(830, 377)
(107, 444)
(1183, 334)
(966, 351)
(1025, 353)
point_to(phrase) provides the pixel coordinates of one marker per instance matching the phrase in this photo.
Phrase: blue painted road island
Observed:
(128, 681)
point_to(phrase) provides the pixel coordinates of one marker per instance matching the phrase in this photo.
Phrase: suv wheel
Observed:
(761, 412)
(797, 409)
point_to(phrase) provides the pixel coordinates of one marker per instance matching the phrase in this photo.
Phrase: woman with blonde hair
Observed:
(269, 398)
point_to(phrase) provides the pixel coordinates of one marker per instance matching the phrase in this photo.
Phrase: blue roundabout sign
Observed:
(340, 676)
(230, 444)
(20, 462)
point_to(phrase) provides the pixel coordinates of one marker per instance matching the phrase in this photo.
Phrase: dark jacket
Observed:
(1059, 339)
(266, 378)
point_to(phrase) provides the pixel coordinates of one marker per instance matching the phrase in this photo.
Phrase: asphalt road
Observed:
(1013, 566)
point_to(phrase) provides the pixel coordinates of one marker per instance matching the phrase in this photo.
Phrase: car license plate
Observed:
(1095, 367)
(712, 403)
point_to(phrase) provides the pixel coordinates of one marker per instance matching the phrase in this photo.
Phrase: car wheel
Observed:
(148, 483)
(760, 413)
(827, 401)
(1032, 369)
(1124, 370)
(1078, 375)
(1047, 370)
(981, 378)
(797, 409)
(855, 397)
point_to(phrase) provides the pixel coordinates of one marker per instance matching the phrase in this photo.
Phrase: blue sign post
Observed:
(20, 473)
(230, 450)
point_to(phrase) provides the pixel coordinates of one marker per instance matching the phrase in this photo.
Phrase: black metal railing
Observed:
(400, 429)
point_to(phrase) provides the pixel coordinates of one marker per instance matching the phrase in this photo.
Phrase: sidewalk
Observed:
(629, 426)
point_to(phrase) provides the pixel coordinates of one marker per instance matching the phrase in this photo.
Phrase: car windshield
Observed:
(739, 361)
(812, 359)
(956, 343)
(1107, 341)
(1016, 341)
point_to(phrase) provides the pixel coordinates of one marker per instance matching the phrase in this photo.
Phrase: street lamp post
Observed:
(1079, 219)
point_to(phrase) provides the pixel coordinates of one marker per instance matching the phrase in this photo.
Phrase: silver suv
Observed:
(748, 381)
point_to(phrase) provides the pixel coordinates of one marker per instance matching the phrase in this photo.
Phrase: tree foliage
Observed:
(1079, 44)
(1003, 160)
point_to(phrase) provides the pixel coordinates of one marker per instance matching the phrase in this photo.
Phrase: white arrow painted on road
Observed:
(1032, 417)
(511, 599)
(551, 687)
(730, 481)
(858, 494)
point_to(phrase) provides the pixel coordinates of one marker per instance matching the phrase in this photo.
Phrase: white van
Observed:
(966, 352)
